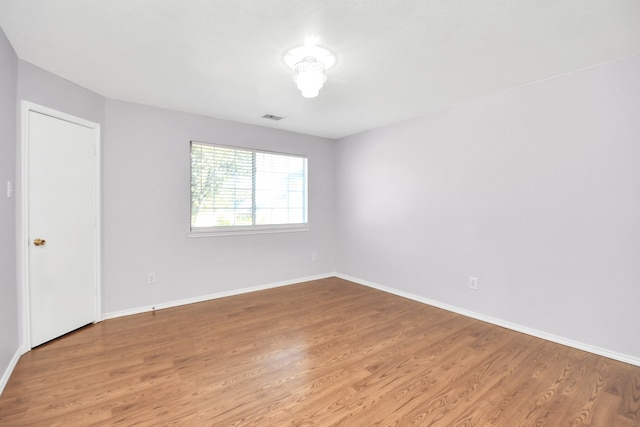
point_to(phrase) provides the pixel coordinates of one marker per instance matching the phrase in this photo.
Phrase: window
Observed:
(242, 190)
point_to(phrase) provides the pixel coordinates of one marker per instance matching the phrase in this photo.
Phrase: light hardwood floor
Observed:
(322, 353)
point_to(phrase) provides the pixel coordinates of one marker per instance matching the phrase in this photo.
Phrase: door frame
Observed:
(26, 107)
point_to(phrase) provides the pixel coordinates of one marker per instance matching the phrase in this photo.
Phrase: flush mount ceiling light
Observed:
(309, 64)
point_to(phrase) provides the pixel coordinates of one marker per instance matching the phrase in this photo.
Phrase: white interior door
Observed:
(62, 200)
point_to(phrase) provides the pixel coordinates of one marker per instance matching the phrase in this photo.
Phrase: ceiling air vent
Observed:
(272, 117)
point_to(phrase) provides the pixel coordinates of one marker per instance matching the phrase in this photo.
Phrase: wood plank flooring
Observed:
(322, 353)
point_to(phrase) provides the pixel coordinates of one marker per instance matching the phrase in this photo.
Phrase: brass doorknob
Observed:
(39, 242)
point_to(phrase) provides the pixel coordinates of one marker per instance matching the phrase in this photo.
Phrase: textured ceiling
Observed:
(396, 59)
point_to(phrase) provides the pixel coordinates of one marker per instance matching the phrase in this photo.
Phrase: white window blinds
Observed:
(240, 188)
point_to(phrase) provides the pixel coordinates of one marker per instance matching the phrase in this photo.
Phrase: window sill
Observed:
(239, 231)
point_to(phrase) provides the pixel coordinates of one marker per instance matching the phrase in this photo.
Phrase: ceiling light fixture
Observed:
(310, 64)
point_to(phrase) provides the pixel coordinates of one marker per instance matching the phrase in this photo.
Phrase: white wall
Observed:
(146, 211)
(536, 191)
(42, 87)
(8, 302)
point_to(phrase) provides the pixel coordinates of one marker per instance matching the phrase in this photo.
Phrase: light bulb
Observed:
(309, 75)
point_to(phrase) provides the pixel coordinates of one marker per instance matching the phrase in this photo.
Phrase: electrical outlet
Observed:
(473, 283)
(314, 256)
(151, 278)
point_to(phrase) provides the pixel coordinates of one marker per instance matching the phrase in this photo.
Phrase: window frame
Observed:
(230, 230)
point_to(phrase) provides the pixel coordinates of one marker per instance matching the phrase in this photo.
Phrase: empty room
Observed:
(320, 213)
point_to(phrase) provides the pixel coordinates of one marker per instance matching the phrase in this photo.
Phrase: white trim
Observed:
(254, 229)
(12, 365)
(217, 295)
(499, 322)
(25, 108)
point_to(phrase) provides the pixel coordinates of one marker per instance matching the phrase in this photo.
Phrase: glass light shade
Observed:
(309, 75)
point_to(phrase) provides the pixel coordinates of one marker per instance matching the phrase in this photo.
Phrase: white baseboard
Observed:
(208, 297)
(12, 364)
(499, 322)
